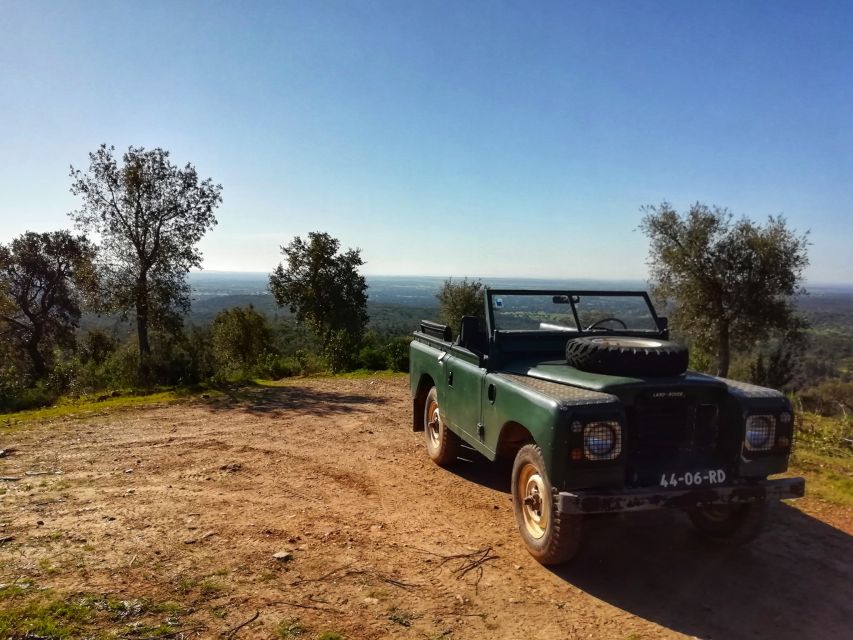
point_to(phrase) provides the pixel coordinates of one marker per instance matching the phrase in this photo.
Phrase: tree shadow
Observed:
(795, 581)
(277, 401)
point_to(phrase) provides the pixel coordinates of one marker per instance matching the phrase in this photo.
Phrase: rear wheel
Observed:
(550, 536)
(441, 443)
(730, 524)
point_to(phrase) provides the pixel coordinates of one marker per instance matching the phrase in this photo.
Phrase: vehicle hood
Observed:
(562, 373)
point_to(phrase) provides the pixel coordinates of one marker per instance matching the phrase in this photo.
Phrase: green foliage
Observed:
(397, 354)
(777, 372)
(379, 353)
(458, 299)
(96, 346)
(43, 281)
(150, 215)
(823, 453)
(324, 289)
(242, 341)
(341, 350)
(725, 283)
(44, 618)
(829, 398)
(372, 357)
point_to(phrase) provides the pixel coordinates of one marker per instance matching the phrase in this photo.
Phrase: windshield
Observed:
(571, 312)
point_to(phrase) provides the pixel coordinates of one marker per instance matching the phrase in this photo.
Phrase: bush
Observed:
(372, 357)
(829, 398)
(96, 346)
(342, 350)
(17, 397)
(397, 354)
(241, 341)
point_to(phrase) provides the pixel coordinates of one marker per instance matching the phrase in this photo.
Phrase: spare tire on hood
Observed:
(627, 356)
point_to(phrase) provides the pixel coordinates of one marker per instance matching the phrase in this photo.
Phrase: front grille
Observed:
(669, 430)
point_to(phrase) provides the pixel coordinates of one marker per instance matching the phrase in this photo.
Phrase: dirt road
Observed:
(185, 505)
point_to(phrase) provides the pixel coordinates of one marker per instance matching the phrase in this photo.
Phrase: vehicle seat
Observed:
(472, 336)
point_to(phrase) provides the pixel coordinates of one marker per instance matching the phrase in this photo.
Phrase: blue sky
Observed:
(443, 138)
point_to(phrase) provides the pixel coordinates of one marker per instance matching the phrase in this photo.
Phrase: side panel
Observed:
(547, 411)
(425, 364)
(428, 361)
(464, 381)
(540, 415)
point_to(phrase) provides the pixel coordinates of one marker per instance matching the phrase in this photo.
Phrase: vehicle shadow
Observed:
(474, 467)
(277, 400)
(795, 581)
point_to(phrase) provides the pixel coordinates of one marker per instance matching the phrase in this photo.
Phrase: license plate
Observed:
(693, 478)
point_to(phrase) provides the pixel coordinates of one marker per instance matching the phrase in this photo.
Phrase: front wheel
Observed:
(550, 536)
(730, 524)
(441, 443)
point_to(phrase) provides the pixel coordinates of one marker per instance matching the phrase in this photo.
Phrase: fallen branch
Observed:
(9, 479)
(473, 561)
(233, 632)
(399, 583)
(322, 577)
(306, 606)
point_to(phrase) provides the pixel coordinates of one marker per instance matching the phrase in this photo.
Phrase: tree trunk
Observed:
(142, 330)
(36, 358)
(723, 349)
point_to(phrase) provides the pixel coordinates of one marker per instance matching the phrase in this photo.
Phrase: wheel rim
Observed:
(433, 424)
(535, 502)
(628, 342)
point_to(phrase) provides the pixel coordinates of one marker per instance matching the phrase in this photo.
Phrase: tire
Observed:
(627, 356)
(730, 524)
(441, 443)
(550, 536)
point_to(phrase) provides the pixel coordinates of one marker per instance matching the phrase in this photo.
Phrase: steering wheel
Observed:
(595, 324)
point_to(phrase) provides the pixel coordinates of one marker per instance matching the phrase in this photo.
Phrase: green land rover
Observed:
(594, 404)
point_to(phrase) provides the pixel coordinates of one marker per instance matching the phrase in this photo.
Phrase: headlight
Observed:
(602, 440)
(760, 433)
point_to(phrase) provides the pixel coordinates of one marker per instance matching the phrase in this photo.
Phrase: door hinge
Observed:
(481, 430)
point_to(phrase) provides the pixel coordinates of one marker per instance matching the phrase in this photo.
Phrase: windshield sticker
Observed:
(499, 303)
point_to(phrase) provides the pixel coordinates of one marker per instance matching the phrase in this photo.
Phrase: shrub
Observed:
(397, 354)
(372, 357)
(240, 339)
(829, 398)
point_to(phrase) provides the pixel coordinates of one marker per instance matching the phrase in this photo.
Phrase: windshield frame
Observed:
(571, 293)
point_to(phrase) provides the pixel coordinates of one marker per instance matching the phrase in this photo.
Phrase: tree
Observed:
(727, 283)
(241, 337)
(458, 299)
(43, 280)
(150, 215)
(325, 290)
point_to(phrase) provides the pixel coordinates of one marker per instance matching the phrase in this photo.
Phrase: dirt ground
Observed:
(187, 504)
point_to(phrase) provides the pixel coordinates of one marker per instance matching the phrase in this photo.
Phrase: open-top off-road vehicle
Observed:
(595, 405)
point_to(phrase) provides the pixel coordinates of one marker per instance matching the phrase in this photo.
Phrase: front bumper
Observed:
(582, 502)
